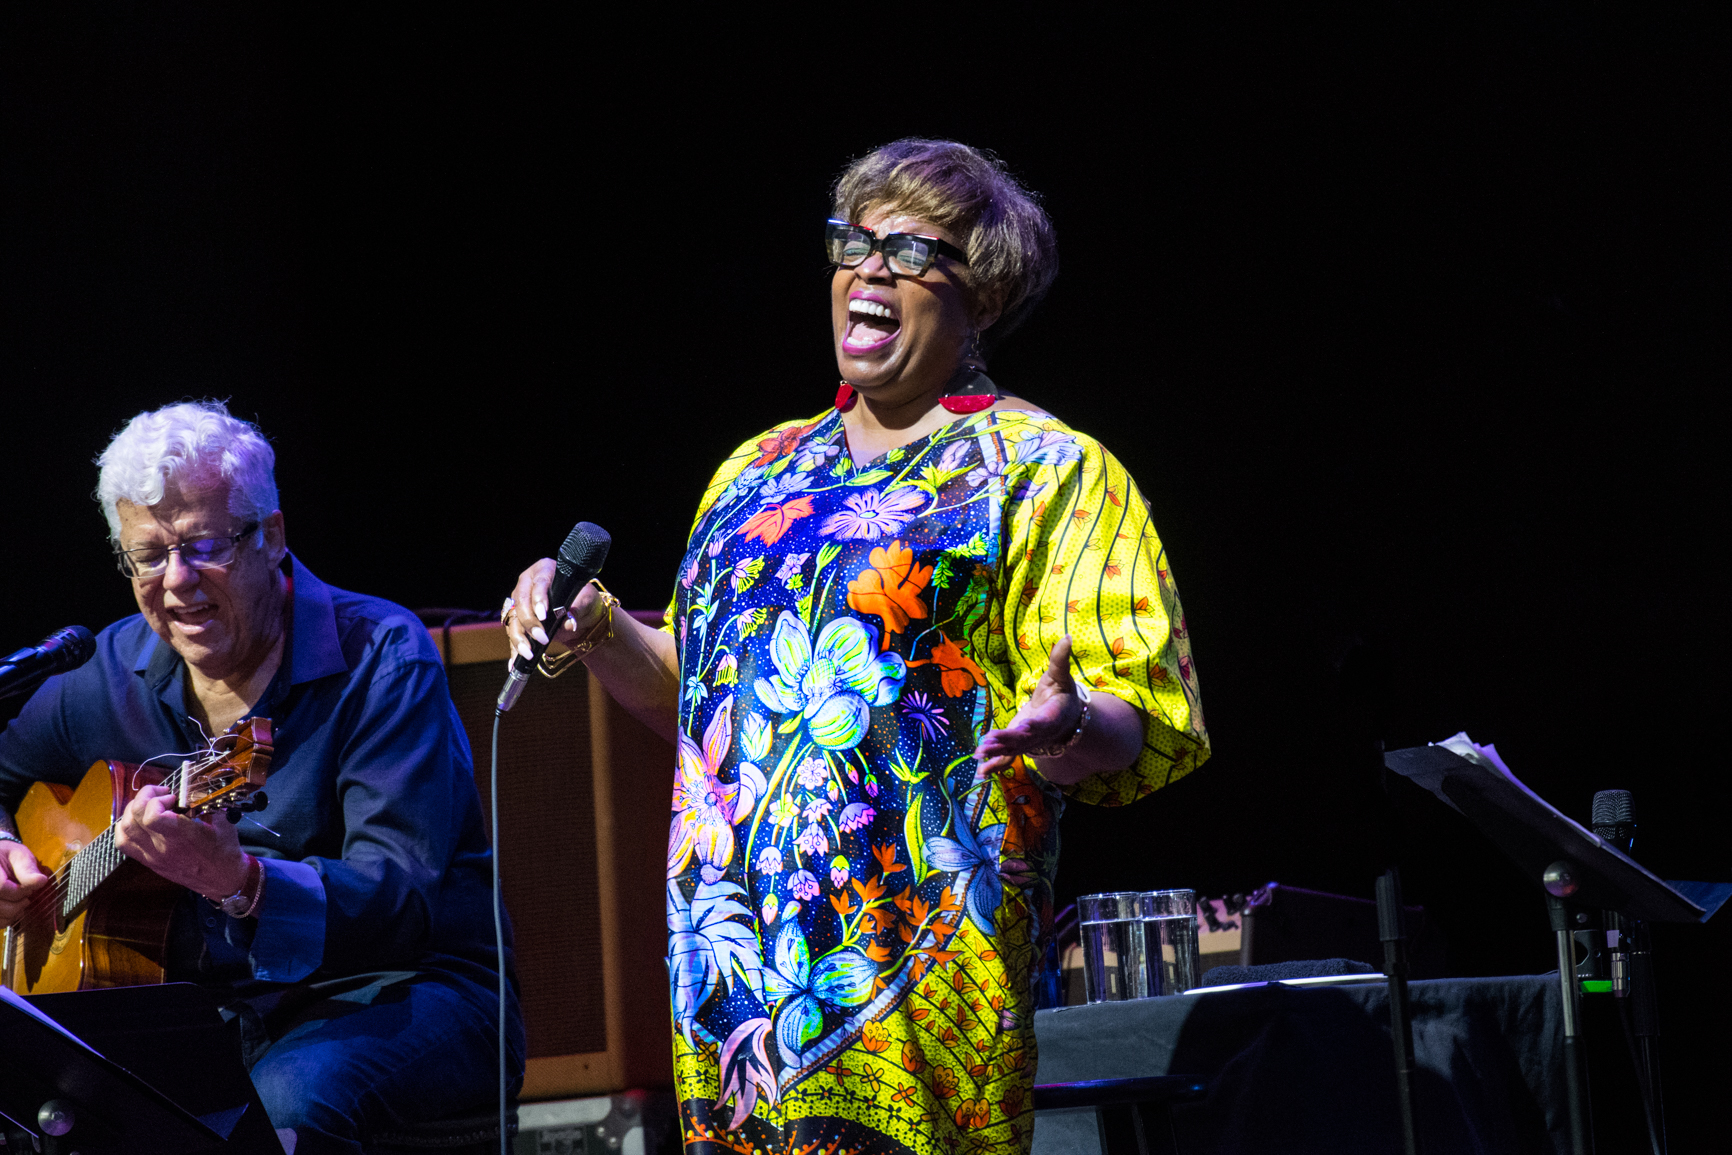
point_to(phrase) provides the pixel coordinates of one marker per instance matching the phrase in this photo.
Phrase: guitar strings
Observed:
(48, 905)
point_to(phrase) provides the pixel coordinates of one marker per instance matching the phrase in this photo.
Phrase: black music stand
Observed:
(172, 1031)
(1573, 864)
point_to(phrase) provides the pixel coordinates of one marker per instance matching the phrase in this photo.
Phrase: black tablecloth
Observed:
(1310, 1069)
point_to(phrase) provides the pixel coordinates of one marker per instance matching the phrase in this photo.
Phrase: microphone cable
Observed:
(498, 928)
(580, 559)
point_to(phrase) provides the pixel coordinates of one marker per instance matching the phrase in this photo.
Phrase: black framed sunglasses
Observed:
(909, 254)
(201, 553)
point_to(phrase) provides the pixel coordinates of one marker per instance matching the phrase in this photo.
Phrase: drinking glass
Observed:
(1170, 940)
(1115, 961)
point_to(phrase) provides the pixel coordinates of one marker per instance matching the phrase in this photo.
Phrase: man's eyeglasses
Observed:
(907, 253)
(201, 553)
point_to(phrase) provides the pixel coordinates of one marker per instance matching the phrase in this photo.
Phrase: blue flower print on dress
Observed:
(744, 483)
(709, 940)
(1049, 447)
(746, 1073)
(815, 453)
(979, 853)
(871, 515)
(783, 487)
(990, 470)
(833, 685)
(840, 980)
(953, 456)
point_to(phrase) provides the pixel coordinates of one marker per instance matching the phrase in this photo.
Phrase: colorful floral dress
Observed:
(853, 909)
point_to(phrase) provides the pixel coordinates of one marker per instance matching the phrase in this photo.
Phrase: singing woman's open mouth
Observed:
(872, 323)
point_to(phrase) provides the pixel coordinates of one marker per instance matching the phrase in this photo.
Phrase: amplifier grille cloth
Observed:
(548, 859)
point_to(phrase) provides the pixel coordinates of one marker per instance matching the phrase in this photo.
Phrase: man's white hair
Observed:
(194, 446)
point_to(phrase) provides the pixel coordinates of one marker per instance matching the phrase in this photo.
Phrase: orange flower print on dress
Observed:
(944, 1082)
(973, 1113)
(1027, 812)
(768, 525)
(875, 1037)
(960, 674)
(781, 444)
(891, 588)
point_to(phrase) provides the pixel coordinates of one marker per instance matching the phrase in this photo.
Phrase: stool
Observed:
(468, 1135)
(1135, 1116)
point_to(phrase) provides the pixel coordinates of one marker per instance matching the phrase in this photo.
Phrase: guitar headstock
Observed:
(232, 772)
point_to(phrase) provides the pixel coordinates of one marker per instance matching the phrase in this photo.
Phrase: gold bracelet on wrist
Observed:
(599, 635)
(1058, 749)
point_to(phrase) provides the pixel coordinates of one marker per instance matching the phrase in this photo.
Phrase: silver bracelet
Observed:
(1057, 749)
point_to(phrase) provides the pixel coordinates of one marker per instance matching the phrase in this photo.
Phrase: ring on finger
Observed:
(505, 613)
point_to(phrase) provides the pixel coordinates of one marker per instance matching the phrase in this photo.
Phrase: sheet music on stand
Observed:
(114, 1110)
(1473, 780)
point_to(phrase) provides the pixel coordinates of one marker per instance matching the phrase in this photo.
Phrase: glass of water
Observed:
(1170, 940)
(1115, 960)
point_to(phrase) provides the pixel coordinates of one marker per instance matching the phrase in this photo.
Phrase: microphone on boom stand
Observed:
(65, 649)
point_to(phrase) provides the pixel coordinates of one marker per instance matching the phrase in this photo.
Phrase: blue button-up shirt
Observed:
(378, 861)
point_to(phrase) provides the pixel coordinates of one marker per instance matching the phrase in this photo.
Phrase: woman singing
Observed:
(903, 630)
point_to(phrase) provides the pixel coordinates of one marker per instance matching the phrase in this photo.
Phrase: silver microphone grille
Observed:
(1612, 807)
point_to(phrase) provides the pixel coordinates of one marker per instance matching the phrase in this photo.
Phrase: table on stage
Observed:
(1310, 1069)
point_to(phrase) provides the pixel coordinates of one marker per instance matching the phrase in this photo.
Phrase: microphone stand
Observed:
(1645, 1011)
(1590, 871)
(1560, 883)
(1394, 936)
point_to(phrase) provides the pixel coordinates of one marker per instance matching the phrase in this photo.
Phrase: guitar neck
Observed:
(223, 777)
(97, 861)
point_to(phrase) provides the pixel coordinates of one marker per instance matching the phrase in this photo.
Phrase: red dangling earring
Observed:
(971, 390)
(845, 397)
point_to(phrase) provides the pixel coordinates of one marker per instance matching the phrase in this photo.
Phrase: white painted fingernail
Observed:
(541, 609)
(539, 635)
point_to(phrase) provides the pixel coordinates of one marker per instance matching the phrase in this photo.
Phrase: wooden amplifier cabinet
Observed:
(584, 790)
(1278, 923)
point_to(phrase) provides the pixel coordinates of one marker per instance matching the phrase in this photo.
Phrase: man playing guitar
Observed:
(347, 936)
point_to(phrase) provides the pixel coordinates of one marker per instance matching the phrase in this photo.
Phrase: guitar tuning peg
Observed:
(233, 814)
(260, 800)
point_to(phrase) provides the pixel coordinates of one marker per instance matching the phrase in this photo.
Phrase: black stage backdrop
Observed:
(1410, 328)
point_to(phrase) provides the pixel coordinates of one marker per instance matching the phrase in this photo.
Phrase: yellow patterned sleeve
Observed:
(770, 444)
(1082, 557)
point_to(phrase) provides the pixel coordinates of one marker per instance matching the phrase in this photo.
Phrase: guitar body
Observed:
(103, 922)
(120, 937)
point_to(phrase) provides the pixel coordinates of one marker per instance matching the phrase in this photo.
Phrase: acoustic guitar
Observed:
(103, 919)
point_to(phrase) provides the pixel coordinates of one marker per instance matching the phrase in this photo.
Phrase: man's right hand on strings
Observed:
(21, 880)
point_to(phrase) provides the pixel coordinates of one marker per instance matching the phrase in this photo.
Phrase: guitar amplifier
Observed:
(1277, 923)
(584, 791)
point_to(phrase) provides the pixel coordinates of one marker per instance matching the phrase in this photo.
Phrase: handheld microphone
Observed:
(580, 559)
(64, 649)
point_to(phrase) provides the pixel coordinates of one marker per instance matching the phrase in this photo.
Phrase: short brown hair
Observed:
(1012, 252)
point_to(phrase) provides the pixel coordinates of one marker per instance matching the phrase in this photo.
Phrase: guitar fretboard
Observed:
(92, 865)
